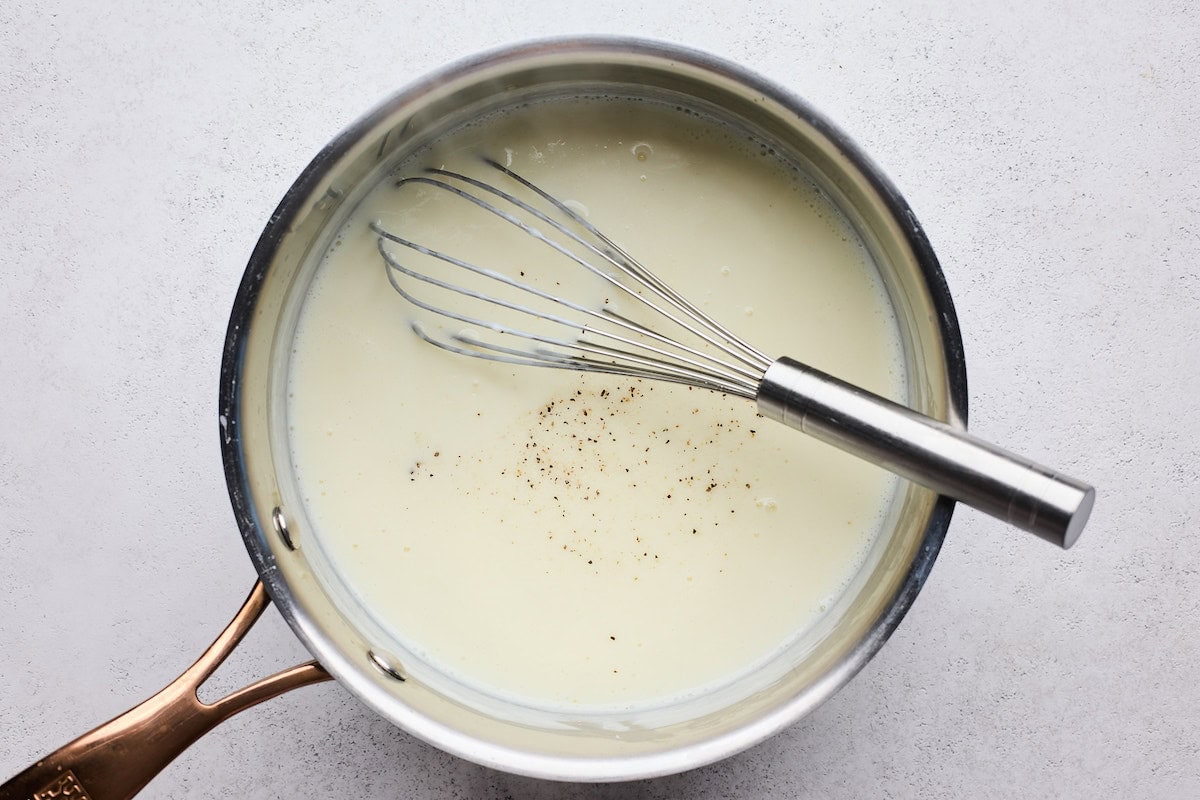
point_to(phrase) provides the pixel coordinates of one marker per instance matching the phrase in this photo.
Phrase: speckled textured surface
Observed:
(1050, 151)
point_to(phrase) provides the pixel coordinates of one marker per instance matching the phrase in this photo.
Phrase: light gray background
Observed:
(1050, 150)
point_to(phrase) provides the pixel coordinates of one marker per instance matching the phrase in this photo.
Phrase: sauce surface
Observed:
(589, 541)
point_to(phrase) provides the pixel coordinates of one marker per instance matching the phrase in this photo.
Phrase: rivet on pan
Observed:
(281, 527)
(384, 665)
(331, 196)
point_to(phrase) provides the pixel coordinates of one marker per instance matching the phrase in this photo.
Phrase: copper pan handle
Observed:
(117, 759)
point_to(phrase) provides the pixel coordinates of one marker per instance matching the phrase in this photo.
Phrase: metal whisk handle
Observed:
(936, 455)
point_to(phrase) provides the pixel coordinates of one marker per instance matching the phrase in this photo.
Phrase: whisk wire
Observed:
(654, 369)
(639, 272)
(668, 365)
(731, 345)
(702, 368)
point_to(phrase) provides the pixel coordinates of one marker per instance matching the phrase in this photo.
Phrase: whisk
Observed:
(700, 352)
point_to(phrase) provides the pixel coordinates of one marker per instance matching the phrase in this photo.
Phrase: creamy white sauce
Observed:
(589, 541)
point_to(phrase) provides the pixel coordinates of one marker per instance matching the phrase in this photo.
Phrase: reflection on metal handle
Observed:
(936, 455)
(117, 759)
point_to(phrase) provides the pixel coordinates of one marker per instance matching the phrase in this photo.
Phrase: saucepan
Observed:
(118, 758)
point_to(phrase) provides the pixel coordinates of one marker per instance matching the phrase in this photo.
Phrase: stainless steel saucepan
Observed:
(118, 758)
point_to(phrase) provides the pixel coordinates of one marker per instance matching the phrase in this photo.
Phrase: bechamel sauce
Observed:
(580, 541)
